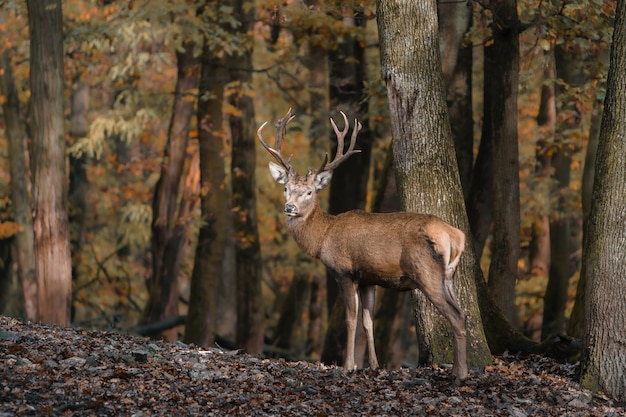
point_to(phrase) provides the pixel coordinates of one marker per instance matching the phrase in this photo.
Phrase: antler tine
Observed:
(275, 151)
(340, 135)
(281, 127)
(340, 156)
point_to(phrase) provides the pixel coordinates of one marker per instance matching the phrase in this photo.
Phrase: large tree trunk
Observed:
(170, 229)
(604, 264)
(348, 188)
(20, 187)
(250, 329)
(501, 84)
(209, 257)
(53, 265)
(424, 156)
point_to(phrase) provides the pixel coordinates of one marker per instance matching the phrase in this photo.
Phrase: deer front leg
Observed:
(351, 302)
(367, 301)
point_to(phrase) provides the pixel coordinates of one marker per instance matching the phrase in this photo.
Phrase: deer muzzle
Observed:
(291, 210)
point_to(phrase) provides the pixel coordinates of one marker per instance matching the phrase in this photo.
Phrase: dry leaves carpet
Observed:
(48, 370)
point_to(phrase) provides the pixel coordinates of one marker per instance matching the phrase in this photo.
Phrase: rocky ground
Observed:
(47, 370)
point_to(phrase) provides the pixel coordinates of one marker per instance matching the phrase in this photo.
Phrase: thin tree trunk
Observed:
(53, 265)
(292, 312)
(315, 60)
(8, 289)
(424, 156)
(78, 184)
(248, 252)
(209, 257)
(20, 187)
(78, 187)
(569, 69)
(539, 246)
(501, 84)
(604, 263)
(316, 315)
(169, 228)
(576, 320)
(348, 188)
(455, 19)
(480, 194)
(250, 329)
(318, 93)
(546, 120)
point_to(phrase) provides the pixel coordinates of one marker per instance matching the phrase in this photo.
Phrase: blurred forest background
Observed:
(173, 216)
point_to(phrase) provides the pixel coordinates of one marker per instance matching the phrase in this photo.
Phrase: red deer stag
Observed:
(401, 251)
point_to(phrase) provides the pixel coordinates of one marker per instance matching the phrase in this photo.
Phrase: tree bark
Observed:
(7, 279)
(314, 342)
(53, 266)
(424, 157)
(480, 193)
(455, 19)
(250, 329)
(170, 225)
(546, 120)
(209, 257)
(20, 187)
(501, 85)
(78, 183)
(604, 264)
(292, 312)
(576, 319)
(569, 68)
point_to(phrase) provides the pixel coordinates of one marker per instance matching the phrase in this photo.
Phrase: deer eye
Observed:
(285, 189)
(309, 193)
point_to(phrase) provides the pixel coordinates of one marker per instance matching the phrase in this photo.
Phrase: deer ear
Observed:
(278, 173)
(323, 179)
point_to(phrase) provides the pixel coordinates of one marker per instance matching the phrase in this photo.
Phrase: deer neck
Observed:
(309, 231)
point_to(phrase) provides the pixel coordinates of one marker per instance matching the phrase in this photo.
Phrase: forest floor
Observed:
(48, 370)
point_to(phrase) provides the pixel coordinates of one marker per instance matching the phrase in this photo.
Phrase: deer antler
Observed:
(281, 126)
(340, 156)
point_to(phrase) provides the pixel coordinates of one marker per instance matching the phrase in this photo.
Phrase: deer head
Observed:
(301, 191)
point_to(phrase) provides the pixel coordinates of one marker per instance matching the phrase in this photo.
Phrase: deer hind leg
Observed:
(367, 294)
(431, 275)
(437, 294)
(453, 312)
(351, 303)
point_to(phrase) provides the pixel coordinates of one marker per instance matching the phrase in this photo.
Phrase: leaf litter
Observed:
(49, 370)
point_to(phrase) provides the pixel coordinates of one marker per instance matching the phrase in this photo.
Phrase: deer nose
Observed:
(291, 209)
